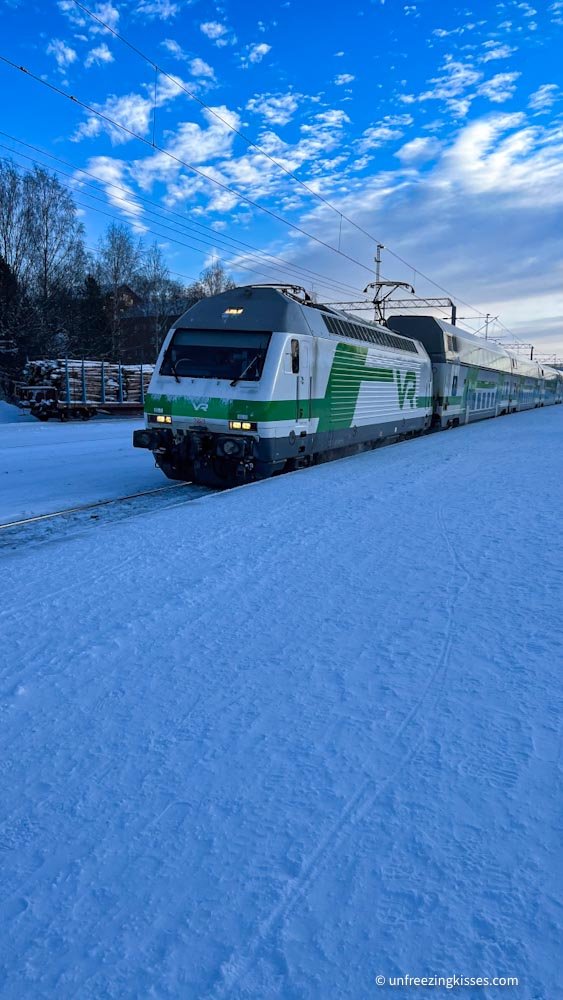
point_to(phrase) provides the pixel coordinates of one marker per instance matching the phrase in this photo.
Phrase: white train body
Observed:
(258, 380)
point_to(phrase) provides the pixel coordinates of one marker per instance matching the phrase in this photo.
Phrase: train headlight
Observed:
(163, 420)
(242, 425)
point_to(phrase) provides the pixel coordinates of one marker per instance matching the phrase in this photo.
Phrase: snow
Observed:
(45, 467)
(10, 414)
(287, 738)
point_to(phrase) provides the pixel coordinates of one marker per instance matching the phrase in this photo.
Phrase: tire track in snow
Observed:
(238, 966)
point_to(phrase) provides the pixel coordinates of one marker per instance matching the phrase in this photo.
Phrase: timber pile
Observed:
(88, 376)
(131, 375)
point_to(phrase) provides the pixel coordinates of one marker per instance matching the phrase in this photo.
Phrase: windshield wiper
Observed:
(174, 372)
(243, 373)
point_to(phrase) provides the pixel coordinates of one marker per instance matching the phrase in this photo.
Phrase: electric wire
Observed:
(151, 62)
(184, 163)
(219, 238)
(223, 186)
(165, 236)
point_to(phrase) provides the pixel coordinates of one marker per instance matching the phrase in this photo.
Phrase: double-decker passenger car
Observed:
(475, 378)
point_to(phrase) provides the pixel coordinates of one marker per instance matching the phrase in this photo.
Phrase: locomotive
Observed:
(260, 379)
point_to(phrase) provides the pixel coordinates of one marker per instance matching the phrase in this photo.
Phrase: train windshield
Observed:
(216, 354)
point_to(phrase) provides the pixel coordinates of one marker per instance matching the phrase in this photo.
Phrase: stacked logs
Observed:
(83, 380)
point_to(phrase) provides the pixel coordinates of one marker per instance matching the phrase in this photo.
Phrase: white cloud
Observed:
(213, 29)
(376, 136)
(70, 10)
(62, 52)
(460, 83)
(331, 118)
(450, 88)
(132, 111)
(257, 51)
(497, 52)
(496, 176)
(343, 78)
(442, 33)
(174, 49)
(218, 33)
(107, 13)
(199, 68)
(544, 97)
(499, 88)
(398, 119)
(419, 150)
(161, 9)
(101, 54)
(278, 109)
(113, 174)
(339, 54)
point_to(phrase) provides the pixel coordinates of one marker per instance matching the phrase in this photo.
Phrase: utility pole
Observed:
(487, 318)
(379, 248)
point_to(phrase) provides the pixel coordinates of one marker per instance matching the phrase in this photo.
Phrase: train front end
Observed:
(211, 406)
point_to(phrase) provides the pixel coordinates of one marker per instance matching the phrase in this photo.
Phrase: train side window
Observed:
(454, 386)
(295, 357)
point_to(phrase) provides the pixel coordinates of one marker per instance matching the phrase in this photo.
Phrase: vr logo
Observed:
(407, 388)
(199, 403)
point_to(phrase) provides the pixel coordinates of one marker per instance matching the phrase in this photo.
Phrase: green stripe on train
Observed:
(335, 410)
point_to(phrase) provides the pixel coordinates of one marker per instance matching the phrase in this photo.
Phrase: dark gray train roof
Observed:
(266, 307)
(430, 330)
(263, 309)
(424, 328)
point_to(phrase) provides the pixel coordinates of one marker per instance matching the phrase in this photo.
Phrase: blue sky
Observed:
(438, 131)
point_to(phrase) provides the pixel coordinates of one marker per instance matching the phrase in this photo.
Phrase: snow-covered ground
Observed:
(48, 466)
(285, 739)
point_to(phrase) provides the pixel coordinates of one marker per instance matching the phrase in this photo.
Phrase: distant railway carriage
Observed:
(259, 380)
(476, 378)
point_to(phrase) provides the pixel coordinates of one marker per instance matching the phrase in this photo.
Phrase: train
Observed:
(260, 380)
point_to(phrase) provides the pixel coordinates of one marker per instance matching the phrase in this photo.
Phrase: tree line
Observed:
(59, 299)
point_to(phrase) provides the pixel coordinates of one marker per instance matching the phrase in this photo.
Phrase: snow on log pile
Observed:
(84, 379)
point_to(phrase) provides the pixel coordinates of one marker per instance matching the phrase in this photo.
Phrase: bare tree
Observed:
(161, 296)
(14, 221)
(56, 236)
(212, 280)
(117, 270)
(41, 244)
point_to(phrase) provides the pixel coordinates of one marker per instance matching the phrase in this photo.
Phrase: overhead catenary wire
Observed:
(184, 163)
(167, 237)
(218, 238)
(316, 194)
(232, 191)
(213, 111)
(134, 224)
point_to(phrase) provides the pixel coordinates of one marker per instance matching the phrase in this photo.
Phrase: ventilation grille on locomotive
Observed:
(371, 335)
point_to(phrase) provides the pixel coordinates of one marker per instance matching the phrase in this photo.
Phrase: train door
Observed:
(303, 386)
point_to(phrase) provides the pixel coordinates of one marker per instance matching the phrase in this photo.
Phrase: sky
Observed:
(436, 131)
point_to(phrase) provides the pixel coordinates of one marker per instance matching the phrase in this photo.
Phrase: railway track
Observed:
(58, 523)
